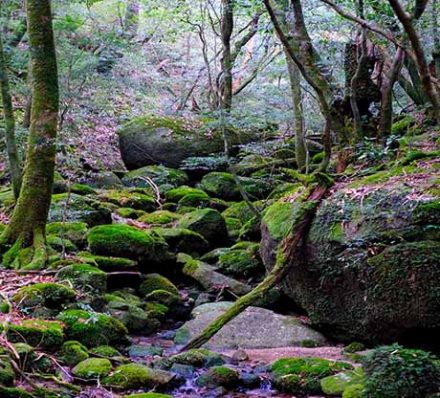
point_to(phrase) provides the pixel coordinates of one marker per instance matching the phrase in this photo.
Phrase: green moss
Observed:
(51, 295)
(395, 372)
(161, 217)
(159, 174)
(401, 126)
(82, 189)
(183, 240)
(199, 358)
(219, 376)
(73, 352)
(242, 262)
(128, 212)
(105, 351)
(133, 199)
(127, 241)
(154, 282)
(107, 263)
(133, 376)
(92, 368)
(38, 333)
(278, 219)
(195, 200)
(221, 185)
(207, 222)
(354, 391)
(176, 194)
(157, 310)
(84, 276)
(60, 244)
(134, 318)
(337, 384)
(164, 297)
(76, 232)
(92, 329)
(354, 347)
(303, 375)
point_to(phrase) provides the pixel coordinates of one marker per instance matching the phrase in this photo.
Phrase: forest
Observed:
(219, 198)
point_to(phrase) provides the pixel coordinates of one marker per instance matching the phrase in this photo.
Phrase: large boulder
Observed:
(254, 328)
(165, 140)
(371, 267)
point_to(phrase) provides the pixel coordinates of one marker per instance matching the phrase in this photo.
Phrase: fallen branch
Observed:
(286, 258)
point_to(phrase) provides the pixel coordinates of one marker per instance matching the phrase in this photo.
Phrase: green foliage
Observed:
(396, 372)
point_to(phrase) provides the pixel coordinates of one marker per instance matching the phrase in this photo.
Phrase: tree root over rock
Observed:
(286, 258)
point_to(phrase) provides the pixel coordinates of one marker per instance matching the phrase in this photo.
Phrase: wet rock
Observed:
(142, 351)
(219, 376)
(254, 328)
(211, 280)
(132, 376)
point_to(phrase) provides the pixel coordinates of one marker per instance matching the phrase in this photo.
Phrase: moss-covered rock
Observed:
(85, 277)
(106, 263)
(337, 384)
(73, 352)
(132, 376)
(207, 222)
(158, 174)
(46, 294)
(47, 335)
(104, 180)
(370, 270)
(154, 282)
(303, 375)
(106, 351)
(82, 189)
(219, 376)
(207, 276)
(77, 208)
(128, 212)
(59, 244)
(151, 139)
(92, 368)
(224, 186)
(160, 217)
(92, 329)
(242, 261)
(76, 232)
(182, 240)
(129, 242)
(14, 392)
(394, 372)
(198, 358)
(136, 319)
(132, 199)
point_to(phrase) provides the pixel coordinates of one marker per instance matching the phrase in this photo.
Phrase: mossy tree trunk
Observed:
(8, 115)
(227, 27)
(286, 258)
(27, 226)
(298, 114)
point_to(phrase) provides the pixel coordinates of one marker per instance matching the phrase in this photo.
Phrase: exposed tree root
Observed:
(286, 258)
(27, 251)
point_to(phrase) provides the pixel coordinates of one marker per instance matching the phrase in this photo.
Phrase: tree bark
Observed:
(386, 109)
(420, 58)
(227, 27)
(28, 222)
(298, 114)
(8, 115)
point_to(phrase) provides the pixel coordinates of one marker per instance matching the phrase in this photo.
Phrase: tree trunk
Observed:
(227, 27)
(298, 114)
(422, 64)
(27, 226)
(8, 114)
(386, 109)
